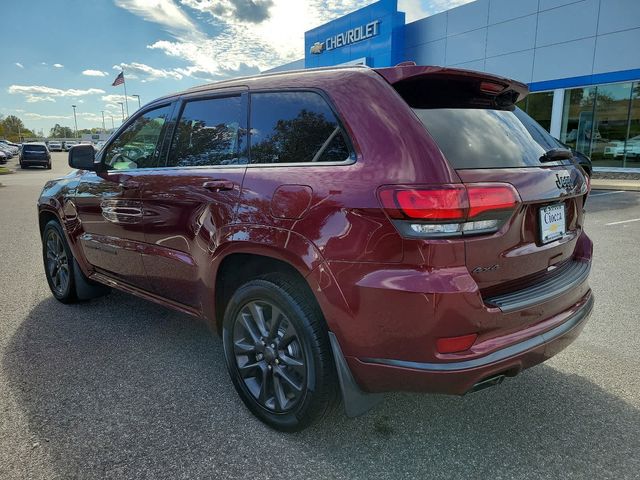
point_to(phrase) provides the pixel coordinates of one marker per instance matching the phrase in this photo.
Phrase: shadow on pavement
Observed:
(122, 388)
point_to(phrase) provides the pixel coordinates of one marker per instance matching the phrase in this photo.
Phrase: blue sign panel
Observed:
(374, 34)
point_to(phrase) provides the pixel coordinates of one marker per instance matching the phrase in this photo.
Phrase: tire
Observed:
(294, 384)
(23, 166)
(58, 263)
(49, 166)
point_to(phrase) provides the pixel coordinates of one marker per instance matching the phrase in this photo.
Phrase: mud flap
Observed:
(85, 288)
(356, 402)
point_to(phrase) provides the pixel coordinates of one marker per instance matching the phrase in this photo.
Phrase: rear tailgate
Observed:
(518, 249)
(472, 118)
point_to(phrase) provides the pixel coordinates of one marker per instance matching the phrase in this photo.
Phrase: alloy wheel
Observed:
(57, 262)
(269, 356)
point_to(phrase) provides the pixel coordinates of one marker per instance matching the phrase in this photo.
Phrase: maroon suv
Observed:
(347, 231)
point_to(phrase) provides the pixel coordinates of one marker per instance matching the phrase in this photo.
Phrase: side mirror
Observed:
(83, 157)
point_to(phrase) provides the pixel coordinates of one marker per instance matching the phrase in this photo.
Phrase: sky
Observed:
(59, 53)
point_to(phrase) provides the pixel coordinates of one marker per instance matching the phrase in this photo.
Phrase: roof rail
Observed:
(274, 74)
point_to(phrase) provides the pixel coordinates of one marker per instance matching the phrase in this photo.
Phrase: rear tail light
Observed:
(450, 210)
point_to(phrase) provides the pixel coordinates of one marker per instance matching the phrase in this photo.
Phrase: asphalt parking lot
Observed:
(122, 388)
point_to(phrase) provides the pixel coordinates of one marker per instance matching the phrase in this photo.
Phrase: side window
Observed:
(295, 127)
(208, 133)
(137, 146)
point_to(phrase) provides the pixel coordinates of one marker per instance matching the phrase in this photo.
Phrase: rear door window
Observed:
(208, 133)
(295, 127)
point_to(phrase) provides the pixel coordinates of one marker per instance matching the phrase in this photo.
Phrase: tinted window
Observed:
(137, 146)
(208, 133)
(294, 127)
(485, 138)
(34, 148)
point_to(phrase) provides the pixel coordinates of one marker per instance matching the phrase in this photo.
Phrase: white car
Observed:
(617, 148)
(69, 144)
(55, 146)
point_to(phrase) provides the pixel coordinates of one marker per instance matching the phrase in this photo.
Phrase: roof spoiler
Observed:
(488, 84)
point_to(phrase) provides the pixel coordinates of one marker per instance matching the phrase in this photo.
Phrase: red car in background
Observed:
(346, 230)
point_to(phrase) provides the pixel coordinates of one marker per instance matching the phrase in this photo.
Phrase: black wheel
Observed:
(49, 166)
(58, 262)
(278, 354)
(23, 166)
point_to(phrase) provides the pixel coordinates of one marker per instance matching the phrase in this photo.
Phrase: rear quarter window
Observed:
(295, 127)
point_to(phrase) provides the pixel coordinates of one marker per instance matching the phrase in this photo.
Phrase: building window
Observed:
(538, 106)
(604, 123)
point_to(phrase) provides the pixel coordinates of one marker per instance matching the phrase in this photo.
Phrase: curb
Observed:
(606, 184)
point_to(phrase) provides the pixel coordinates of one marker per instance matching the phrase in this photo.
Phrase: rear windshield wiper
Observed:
(556, 154)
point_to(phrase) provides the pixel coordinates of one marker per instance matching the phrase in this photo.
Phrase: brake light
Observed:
(441, 204)
(449, 210)
(456, 344)
(491, 87)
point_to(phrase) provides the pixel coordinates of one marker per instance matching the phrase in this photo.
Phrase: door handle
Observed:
(218, 185)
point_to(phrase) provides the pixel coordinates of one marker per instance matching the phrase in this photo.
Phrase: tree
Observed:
(13, 129)
(58, 131)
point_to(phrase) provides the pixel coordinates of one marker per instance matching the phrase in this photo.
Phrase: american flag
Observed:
(119, 80)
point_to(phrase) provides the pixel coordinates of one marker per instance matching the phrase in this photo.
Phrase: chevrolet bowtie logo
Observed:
(317, 48)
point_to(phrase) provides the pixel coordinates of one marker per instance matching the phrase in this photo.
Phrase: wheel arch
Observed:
(242, 265)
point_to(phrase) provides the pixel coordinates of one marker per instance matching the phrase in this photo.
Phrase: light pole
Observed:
(138, 97)
(75, 120)
(113, 125)
(122, 107)
(103, 128)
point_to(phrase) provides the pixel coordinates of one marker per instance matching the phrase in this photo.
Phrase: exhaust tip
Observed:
(487, 382)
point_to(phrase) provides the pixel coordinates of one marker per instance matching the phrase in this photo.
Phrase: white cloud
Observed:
(19, 65)
(112, 100)
(94, 73)
(30, 98)
(38, 116)
(58, 65)
(135, 70)
(162, 12)
(51, 92)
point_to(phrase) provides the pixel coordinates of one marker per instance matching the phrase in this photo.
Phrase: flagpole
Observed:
(126, 100)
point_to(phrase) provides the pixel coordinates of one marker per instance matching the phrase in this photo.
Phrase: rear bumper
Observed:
(459, 377)
(34, 161)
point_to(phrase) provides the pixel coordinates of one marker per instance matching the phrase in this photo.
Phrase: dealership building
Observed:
(581, 60)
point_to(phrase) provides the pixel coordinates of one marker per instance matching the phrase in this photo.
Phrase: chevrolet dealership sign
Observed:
(372, 35)
(355, 35)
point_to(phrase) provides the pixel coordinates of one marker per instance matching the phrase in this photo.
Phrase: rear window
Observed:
(486, 138)
(34, 148)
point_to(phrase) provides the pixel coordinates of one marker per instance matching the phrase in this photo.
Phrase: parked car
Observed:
(35, 154)
(69, 144)
(3, 158)
(6, 151)
(358, 231)
(618, 148)
(10, 147)
(55, 146)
